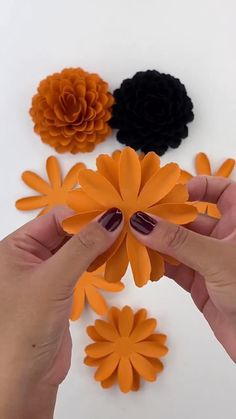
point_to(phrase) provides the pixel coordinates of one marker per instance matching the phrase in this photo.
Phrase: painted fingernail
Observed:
(111, 219)
(142, 222)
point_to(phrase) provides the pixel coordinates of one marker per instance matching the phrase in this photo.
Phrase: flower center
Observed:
(124, 346)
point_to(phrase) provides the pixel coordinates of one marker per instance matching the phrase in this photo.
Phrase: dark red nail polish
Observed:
(142, 222)
(111, 219)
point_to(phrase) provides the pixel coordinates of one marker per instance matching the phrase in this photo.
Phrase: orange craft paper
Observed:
(71, 110)
(53, 193)
(125, 348)
(131, 184)
(87, 289)
(203, 167)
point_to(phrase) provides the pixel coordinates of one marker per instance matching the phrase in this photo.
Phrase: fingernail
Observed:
(111, 219)
(142, 222)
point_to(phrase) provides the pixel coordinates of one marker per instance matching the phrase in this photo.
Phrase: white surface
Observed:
(194, 40)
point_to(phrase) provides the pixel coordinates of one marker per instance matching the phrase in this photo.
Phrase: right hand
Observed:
(207, 252)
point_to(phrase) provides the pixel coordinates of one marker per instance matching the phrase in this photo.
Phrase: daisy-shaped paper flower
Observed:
(203, 167)
(87, 288)
(130, 184)
(53, 193)
(126, 348)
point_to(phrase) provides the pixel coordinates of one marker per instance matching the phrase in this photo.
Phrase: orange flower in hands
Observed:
(131, 184)
(203, 167)
(52, 194)
(126, 348)
(87, 289)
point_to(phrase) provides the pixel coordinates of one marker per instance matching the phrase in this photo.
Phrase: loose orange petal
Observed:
(110, 381)
(96, 300)
(106, 330)
(140, 316)
(226, 168)
(143, 330)
(158, 337)
(113, 316)
(160, 184)
(106, 286)
(73, 225)
(99, 188)
(36, 182)
(93, 334)
(129, 174)
(125, 375)
(31, 203)
(108, 167)
(117, 265)
(107, 367)
(175, 213)
(54, 172)
(202, 164)
(150, 349)
(116, 155)
(71, 179)
(143, 367)
(126, 321)
(99, 349)
(139, 260)
(213, 211)
(178, 195)
(78, 304)
(149, 166)
(82, 203)
(157, 264)
(185, 177)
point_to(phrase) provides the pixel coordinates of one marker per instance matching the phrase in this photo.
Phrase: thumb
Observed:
(68, 264)
(199, 252)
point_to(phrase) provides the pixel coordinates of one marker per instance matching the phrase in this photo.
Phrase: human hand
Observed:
(39, 267)
(207, 252)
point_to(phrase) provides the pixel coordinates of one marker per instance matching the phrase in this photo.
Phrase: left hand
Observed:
(39, 267)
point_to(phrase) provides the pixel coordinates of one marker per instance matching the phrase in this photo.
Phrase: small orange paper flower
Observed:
(131, 184)
(52, 194)
(203, 167)
(87, 289)
(71, 110)
(126, 348)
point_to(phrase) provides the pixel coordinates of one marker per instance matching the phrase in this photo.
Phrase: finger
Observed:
(192, 249)
(203, 225)
(216, 190)
(71, 260)
(46, 230)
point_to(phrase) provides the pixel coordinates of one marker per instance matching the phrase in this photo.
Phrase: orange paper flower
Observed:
(87, 289)
(71, 110)
(52, 194)
(203, 167)
(126, 348)
(130, 184)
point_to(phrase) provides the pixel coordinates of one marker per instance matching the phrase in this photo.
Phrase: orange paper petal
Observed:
(149, 166)
(126, 321)
(117, 264)
(185, 176)
(129, 175)
(226, 168)
(139, 260)
(125, 375)
(96, 300)
(178, 195)
(160, 184)
(202, 164)
(175, 213)
(108, 167)
(36, 182)
(75, 223)
(143, 367)
(31, 203)
(71, 179)
(54, 172)
(157, 264)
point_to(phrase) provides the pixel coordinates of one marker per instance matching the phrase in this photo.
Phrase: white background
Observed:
(193, 40)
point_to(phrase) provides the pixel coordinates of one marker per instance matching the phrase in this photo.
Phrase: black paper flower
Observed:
(151, 112)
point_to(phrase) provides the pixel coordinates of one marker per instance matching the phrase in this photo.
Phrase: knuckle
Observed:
(91, 238)
(177, 238)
